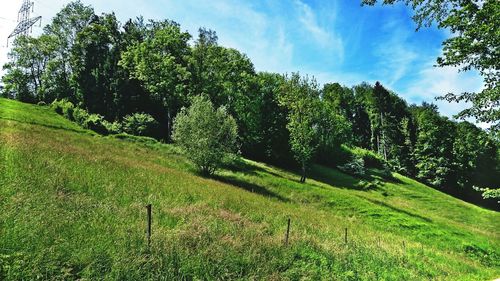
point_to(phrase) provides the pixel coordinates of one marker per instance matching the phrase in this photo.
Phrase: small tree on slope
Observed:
(301, 96)
(205, 134)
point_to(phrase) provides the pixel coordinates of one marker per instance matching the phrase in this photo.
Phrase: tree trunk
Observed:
(169, 127)
(378, 145)
(303, 178)
(372, 139)
(384, 147)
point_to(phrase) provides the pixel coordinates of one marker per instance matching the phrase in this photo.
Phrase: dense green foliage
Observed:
(135, 77)
(72, 207)
(140, 124)
(474, 44)
(206, 134)
(301, 97)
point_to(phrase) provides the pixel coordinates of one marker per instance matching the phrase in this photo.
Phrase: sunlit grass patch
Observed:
(73, 207)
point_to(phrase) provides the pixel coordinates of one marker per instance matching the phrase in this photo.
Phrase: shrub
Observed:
(371, 159)
(96, 123)
(140, 124)
(64, 107)
(113, 127)
(334, 156)
(205, 134)
(80, 116)
(68, 111)
(57, 106)
(487, 193)
(354, 167)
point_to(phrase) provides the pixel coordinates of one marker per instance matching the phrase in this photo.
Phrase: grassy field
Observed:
(72, 206)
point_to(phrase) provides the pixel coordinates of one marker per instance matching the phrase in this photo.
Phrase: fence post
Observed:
(148, 230)
(345, 235)
(287, 232)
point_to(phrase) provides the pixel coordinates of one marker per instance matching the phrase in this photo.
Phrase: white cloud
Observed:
(238, 25)
(325, 38)
(268, 34)
(432, 82)
(395, 55)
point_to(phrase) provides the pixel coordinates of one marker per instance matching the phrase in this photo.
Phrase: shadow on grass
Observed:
(372, 180)
(396, 209)
(375, 174)
(336, 178)
(240, 166)
(82, 131)
(251, 187)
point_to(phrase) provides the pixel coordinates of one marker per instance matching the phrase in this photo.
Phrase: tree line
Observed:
(126, 75)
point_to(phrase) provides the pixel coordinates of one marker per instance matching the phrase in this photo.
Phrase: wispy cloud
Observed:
(335, 41)
(395, 55)
(246, 26)
(432, 82)
(326, 38)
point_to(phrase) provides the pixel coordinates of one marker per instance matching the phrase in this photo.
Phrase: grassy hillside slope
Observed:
(72, 207)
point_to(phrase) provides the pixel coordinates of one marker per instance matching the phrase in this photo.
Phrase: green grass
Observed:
(72, 207)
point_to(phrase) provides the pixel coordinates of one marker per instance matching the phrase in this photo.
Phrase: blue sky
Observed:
(332, 40)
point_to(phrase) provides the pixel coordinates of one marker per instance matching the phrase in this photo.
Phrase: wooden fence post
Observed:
(148, 230)
(287, 232)
(345, 235)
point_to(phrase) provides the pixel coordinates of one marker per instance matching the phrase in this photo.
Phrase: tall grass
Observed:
(72, 206)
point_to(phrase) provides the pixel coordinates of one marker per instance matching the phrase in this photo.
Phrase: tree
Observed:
(206, 134)
(335, 114)
(475, 44)
(17, 84)
(160, 62)
(64, 29)
(228, 78)
(300, 96)
(94, 60)
(476, 158)
(434, 147)
(272, 138)
(29, 58)
(361, 125)
(340, 99)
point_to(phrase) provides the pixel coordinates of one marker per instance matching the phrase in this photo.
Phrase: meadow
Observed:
(72, 206)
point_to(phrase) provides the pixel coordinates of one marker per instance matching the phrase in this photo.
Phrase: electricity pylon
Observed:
(24, 21)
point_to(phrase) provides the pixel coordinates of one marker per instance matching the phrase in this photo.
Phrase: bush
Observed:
(64, 107)
(113, 127)
(140, 124)
(96, 123)
(80, 116)
(371, 159)
(57, 106)
(355, 167)
(206, 134)
(334, 156)
(68, 111)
